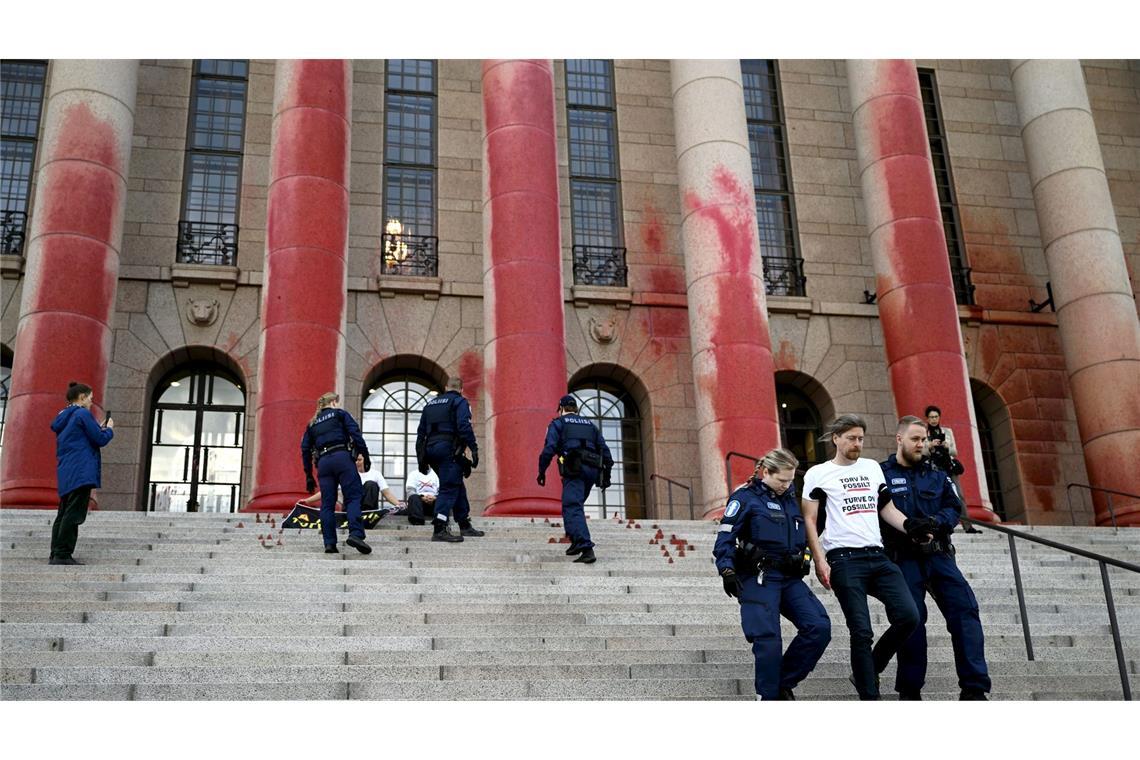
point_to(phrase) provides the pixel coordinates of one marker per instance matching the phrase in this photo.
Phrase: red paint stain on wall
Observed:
(653, 230)
(471, 373)
(786, 357)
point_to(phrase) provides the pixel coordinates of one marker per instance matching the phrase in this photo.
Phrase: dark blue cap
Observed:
(568, 402)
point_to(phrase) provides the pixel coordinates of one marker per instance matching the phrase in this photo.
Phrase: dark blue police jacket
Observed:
(758, 516)
(330, 428)
(569, 431)
(448, 414)
(920, 491)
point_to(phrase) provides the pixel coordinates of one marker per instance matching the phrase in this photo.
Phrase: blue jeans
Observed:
(760, 610)
(574, 493)
(338, 468)
(452, 498)
(855, 573)
(959, 606)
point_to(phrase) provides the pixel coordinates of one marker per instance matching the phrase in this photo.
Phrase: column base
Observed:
(982, 514)
(524, 506)
(29, 498)
(274, 502)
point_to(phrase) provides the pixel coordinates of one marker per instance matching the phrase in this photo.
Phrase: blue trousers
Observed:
(452, 498)
(337, 468)
(760, 611)
(855, 573)
(574, 493)
(955, 599)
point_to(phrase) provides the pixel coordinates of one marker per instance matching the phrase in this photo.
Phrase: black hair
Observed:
(75, 390)
(932, 408)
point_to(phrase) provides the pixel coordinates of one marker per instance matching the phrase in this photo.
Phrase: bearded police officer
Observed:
(760, 555)
(333, 438)
(443, 435)
(583, 461)
(923, 492)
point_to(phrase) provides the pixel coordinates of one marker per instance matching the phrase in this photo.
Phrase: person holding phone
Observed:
(78, 438)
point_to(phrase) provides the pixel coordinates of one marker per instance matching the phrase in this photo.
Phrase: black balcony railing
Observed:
(784, 277)
(207, 243)
(12, 235)
(410, 255)
(600, 265)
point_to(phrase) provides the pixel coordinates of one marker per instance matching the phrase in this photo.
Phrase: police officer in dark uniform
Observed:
(333, 438)
(443, 435)
(925, 493)
(761, 555)
(583, 460)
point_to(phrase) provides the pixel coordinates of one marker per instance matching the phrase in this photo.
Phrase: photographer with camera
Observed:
(762, 557)
(943, 454)
(925, 495)
(583, 460)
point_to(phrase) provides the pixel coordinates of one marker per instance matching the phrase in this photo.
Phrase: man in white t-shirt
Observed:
(850, 559)
(375, 487)
(421, 491)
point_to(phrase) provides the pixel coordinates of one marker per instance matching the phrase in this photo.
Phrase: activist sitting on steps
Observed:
(374, 487)
(333, 438)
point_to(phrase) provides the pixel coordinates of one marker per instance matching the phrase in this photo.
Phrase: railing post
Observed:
(1020, 597)
(691, 517)
(669, 488)
(1120, 664)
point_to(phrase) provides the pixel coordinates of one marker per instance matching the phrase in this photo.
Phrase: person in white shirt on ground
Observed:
(375, 487)
(850, 559)
(421, 492)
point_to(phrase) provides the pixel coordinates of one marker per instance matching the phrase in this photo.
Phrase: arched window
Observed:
(989, 460)
(999, 454)
(197, 434)
(389, 420)
(800, 426)
(5, 382)
(614, 411)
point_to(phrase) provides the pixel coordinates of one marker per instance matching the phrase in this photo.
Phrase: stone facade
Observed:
(829, 343)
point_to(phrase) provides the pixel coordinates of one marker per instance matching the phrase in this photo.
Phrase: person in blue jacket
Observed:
(584, 460)
(334, 439)
(78, 438)
(923, 492)
(761, 556)
(442, 437)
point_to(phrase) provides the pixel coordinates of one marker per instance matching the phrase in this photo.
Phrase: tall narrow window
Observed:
(389, 421)
(944, 181)
(614, 411)
(771, 179)
(197, 432)
(23, 96)
(595, 181)
(409, 243)
(208, 229)
(990, 460)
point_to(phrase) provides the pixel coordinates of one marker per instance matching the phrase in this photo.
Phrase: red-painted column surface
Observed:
(525, 345)
(72, 266)
(917, 308)
(301, 352)
(733, 370)
(1096, 307)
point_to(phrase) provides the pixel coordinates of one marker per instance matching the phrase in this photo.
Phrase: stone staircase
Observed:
(176, 607)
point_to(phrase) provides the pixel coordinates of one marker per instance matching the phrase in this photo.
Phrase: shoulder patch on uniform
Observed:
(732, 508)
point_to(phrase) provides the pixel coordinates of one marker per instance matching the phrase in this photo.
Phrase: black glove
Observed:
(541, 479)
(604, 483)
(310, 484)
(917, 527)
(474, 459)
(423, 468)
(731, 583)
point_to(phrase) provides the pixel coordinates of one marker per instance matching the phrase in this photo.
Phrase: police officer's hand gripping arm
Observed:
(307, 461)
(549, 449)
(724, 550)
(810, 508)
(917, 528)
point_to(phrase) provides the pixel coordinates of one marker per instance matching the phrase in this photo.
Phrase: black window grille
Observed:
(771, 179)
(389, 419)
(614, 411)
(989, 460)
(409, 245)
(595, 178)
(944, 181)
(22, 94)
(211, 194)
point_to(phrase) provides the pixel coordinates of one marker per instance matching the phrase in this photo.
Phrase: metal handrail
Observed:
(728, 467)
(1109, 491)
(1099, 558)
(669, 488)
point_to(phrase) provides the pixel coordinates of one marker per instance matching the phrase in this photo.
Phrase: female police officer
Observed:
(760, 556)
(334, 438)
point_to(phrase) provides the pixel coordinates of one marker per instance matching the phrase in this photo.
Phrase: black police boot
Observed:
(972, 695)
(910, 696)
(443, 534)
(64, 561)
(331, 550)
(587, 557)
(786, 695)
(467, 529)
(574, 550)
(359, 545)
